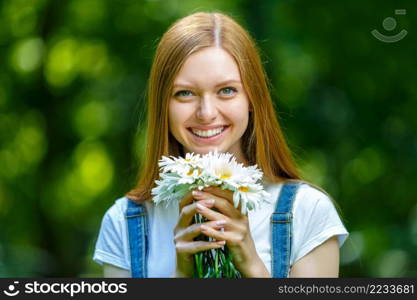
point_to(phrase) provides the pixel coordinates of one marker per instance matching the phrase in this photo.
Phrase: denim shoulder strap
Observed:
(138, 238)
(281, 221)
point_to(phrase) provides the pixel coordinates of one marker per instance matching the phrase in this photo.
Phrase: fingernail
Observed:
(221, 243)
(197, 193)
(209, 201)
(199, 206)
(220, 222)
(203, 227)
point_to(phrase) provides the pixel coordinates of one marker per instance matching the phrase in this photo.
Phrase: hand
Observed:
(185, 232)
(236, 231)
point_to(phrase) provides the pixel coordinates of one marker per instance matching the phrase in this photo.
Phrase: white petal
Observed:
(236, 197)
(243, 202)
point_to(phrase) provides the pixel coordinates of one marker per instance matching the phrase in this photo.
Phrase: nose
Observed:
(206, 111)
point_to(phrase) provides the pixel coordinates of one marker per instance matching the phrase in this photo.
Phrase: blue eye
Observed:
(183, 93)
(228, 91)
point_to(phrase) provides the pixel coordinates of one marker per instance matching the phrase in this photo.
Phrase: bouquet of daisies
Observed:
(180, 175)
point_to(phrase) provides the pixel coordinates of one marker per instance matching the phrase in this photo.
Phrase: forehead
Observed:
(207, 67)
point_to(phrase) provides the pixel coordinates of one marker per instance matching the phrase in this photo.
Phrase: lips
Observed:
(211, 132)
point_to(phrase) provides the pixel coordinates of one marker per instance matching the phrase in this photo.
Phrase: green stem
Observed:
(216, 264)
(213, 264)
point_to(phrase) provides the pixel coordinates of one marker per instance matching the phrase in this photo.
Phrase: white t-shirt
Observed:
(315, 220)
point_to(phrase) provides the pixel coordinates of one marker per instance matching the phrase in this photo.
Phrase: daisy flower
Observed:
(181, 175)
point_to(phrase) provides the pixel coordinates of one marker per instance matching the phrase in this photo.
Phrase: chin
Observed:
(206, 150)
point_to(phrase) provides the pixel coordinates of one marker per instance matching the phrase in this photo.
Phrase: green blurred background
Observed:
(72, 84)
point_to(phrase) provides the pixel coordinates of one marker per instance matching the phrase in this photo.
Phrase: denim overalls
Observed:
(281, 222)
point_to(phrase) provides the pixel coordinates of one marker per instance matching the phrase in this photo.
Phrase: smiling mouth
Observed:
(208, 133)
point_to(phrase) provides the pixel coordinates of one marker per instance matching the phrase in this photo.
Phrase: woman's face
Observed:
(209, 108)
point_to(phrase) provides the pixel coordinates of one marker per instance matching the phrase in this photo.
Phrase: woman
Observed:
(207, 91)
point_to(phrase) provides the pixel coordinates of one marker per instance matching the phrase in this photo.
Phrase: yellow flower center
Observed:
(225, 175)
(191, 171)
(223, 172)
(244, 189)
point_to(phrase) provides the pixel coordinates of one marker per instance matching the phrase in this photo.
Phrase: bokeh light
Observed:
(367, 165)
(21, 16)
(27, 55)
(92, 119)
(315, 168)
(61, 65)
(392, 263)
(24, 143)
(94, 168)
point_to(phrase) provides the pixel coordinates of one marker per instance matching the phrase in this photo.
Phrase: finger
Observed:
(226, 194)
(191, 232)
(215, 234)
(209, 213)
(186, 200)
(188, 234)
(198, 246)
(231, 237)
(222, 204)
(223, 221)
(187, 213)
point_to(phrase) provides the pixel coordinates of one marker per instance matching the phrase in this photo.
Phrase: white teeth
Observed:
(207, 133)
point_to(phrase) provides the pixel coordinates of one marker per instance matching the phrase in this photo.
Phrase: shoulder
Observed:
(306, 197)
(309, 199)
(118, 210)
(117, 213)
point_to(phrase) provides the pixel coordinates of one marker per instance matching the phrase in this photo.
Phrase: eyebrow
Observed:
(219, 84)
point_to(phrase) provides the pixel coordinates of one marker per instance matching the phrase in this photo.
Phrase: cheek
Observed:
(177, 115)
(239, 112)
